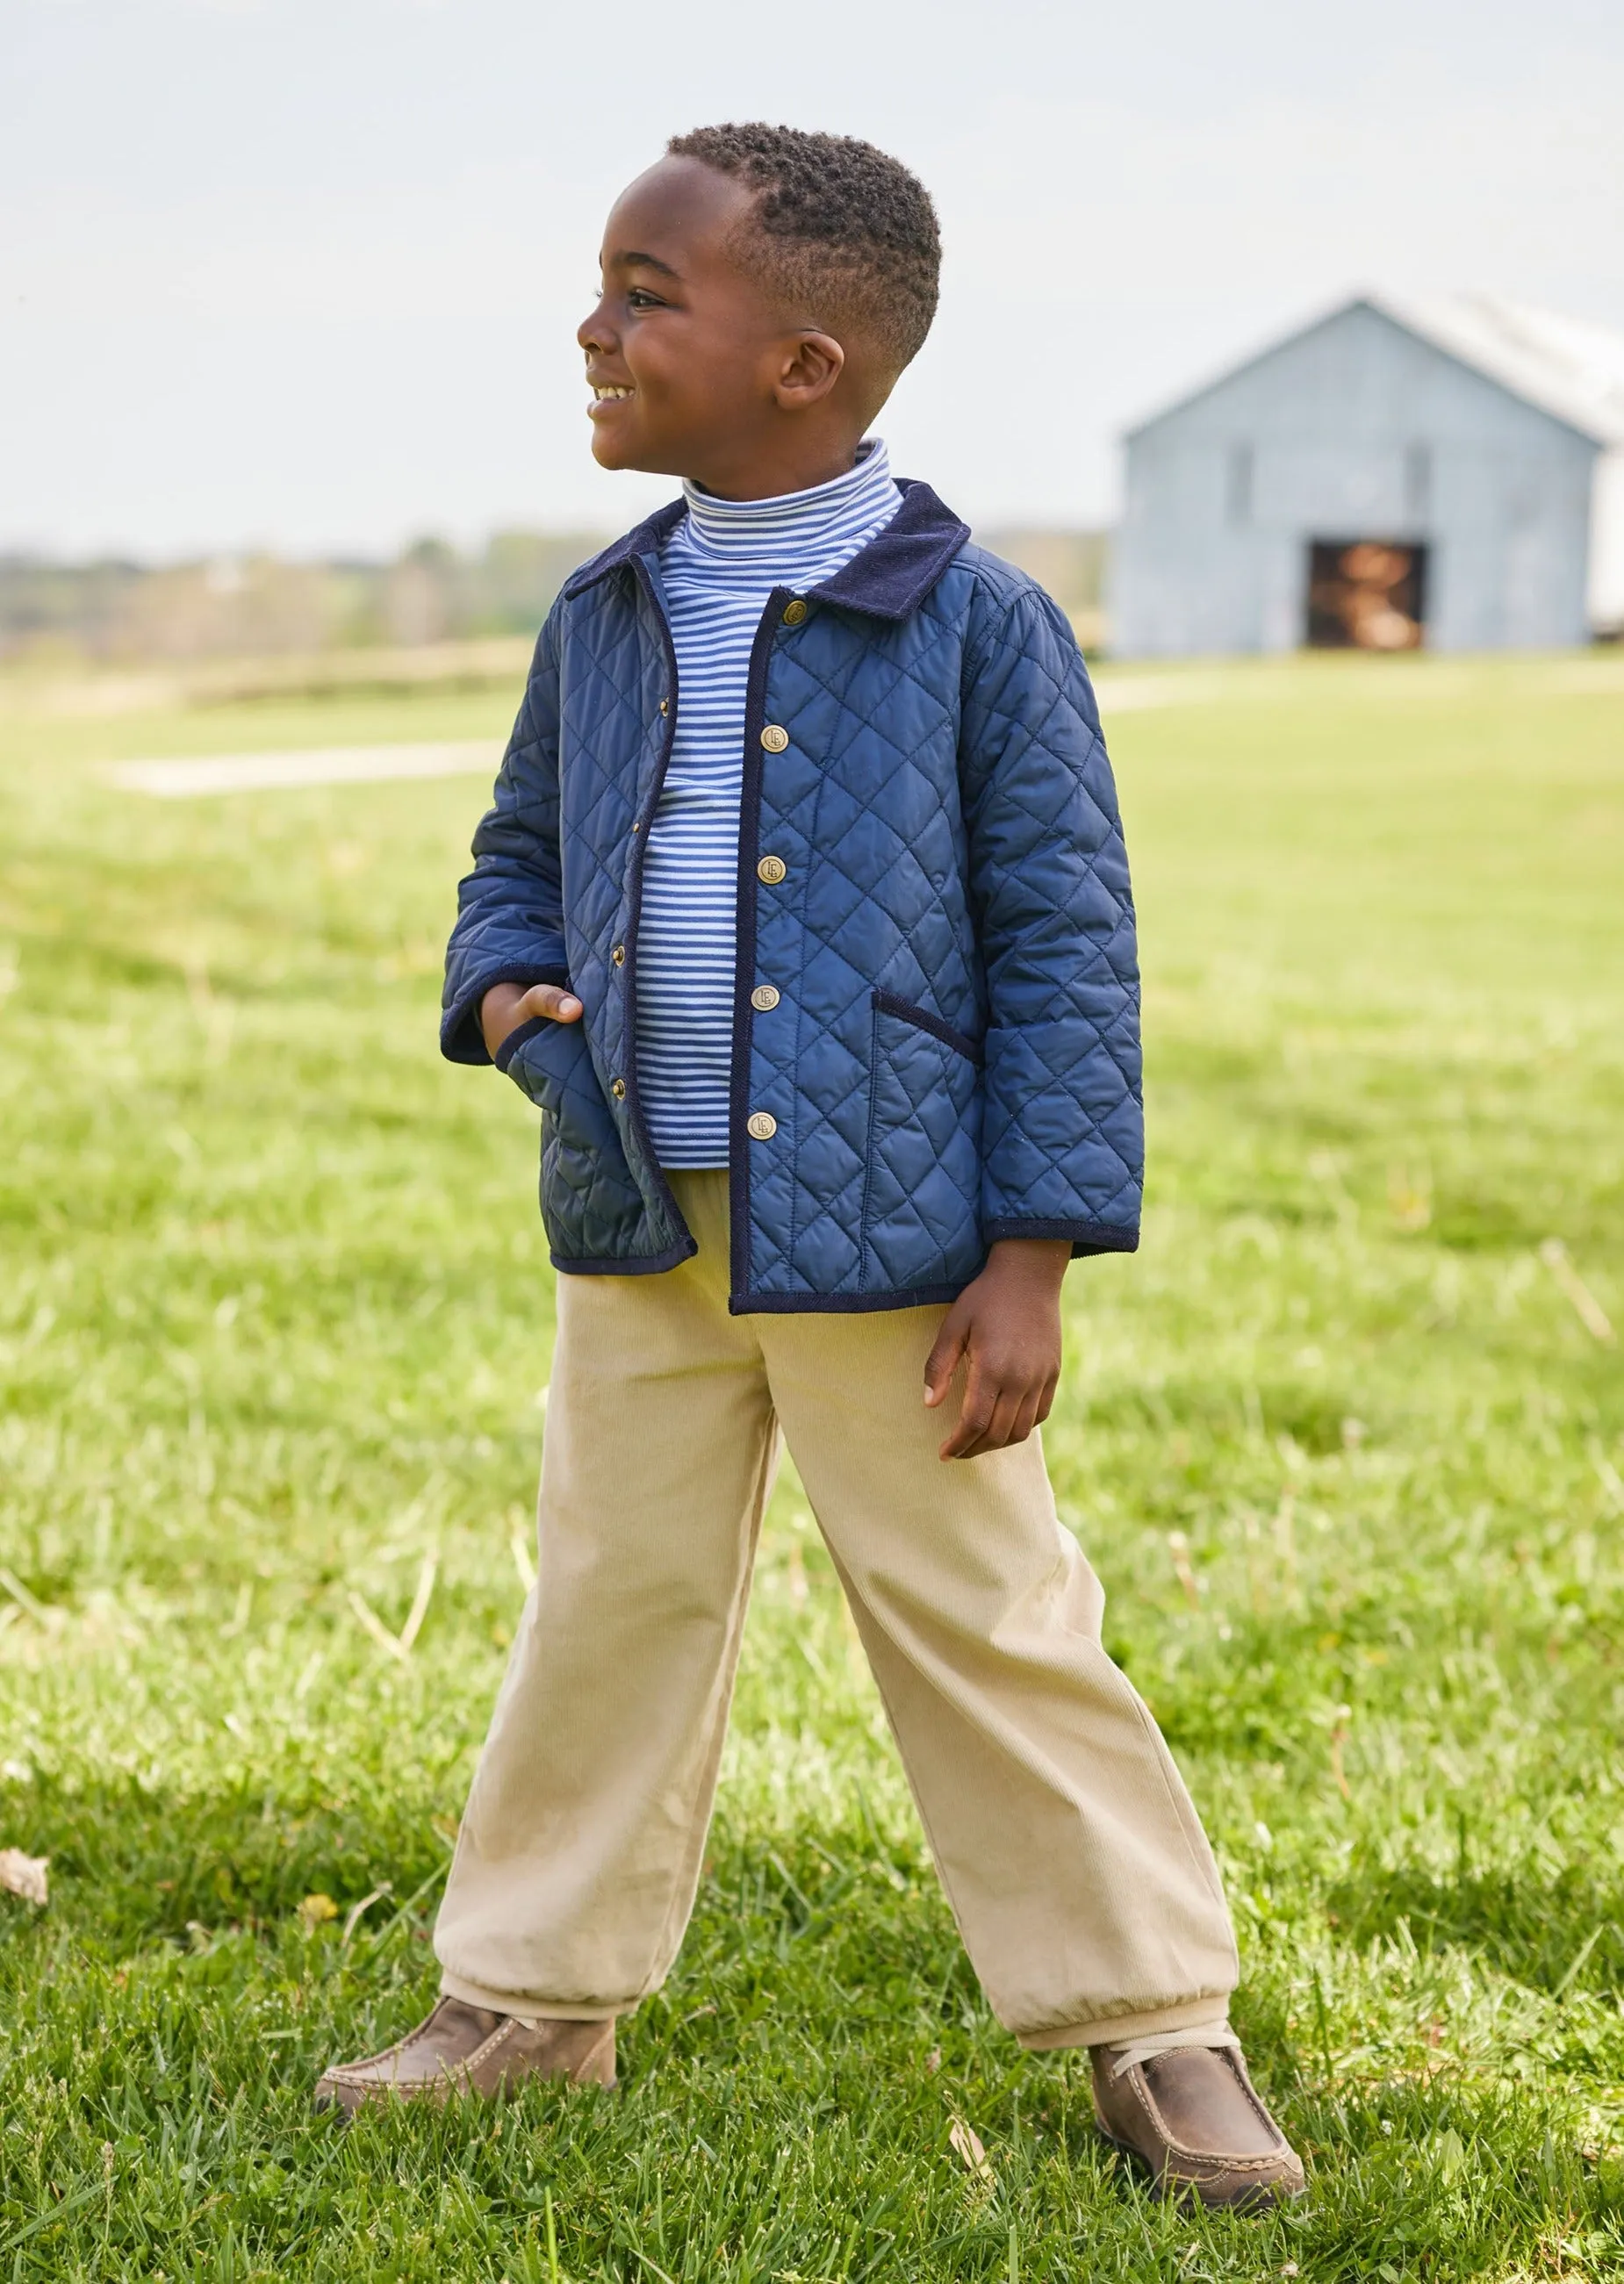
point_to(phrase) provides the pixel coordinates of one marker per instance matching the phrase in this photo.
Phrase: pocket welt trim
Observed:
(517, 1037)
(886, 1003)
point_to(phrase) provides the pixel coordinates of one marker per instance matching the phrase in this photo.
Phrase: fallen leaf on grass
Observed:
(419, 1604)
(24, 1875)
(399, 1646)
(40, 1612)
(1178, 1547)
(1586, 1306)
(1338, 1737)
(966, 2144)
(371, 1624)
(1450, 2151)
(357, 1912)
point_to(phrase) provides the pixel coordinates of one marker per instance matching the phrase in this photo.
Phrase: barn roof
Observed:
(1571, 370)
(1566, 367)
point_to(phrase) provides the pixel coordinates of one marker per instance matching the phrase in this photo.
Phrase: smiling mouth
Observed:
(610, 396)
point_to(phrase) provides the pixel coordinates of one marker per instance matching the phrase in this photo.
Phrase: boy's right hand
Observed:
(506, 1006)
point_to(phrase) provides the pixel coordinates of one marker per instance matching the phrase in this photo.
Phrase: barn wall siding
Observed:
(1355, 429)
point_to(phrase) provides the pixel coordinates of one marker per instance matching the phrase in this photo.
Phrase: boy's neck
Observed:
(781, 467)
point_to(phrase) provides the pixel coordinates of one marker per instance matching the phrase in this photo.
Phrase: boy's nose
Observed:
(594, 332)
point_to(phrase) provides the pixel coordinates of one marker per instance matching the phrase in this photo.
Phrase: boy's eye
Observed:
(638, 298)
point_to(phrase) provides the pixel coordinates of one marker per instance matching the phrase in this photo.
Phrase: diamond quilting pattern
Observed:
(946, 811)
(587, 1188)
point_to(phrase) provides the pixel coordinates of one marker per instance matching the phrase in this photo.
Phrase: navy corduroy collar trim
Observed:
(889, 578)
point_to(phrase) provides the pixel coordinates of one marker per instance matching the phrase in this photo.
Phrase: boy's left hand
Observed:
(1008, 1324)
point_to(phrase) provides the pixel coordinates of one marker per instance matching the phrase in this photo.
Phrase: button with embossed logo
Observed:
(617, 1088)
(772, 870)
(765, 997)
(774, 739)
(794, 613)
(762, 1125)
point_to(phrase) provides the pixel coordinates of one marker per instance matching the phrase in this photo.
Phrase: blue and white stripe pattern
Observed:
(718, 567)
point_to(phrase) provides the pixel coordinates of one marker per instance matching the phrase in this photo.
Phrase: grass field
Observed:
(275, 1317)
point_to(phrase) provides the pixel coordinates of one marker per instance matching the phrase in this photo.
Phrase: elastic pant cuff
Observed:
(1195, 2014)
(520, 2004)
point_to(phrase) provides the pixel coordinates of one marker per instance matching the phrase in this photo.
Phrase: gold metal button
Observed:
(794, 613)
(764, 997)
(665, 705)
(774, 739)
(762, 1125)
(772, 870)
(617, 1088)
(619, 955)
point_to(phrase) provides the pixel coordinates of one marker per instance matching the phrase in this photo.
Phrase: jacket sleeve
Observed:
(509, 917)
(1063, 1134)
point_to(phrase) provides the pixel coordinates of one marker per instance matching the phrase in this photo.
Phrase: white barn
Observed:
(1448, 474)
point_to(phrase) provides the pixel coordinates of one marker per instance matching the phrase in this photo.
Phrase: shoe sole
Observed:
(327, 2097)
(1173, 2188)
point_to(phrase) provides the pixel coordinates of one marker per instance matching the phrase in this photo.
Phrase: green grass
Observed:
(273, 1318)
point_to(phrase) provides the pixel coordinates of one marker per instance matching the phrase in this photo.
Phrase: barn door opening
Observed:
(1366, 594)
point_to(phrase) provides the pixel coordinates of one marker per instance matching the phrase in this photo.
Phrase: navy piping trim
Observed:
(868, 1151)
(642, 539)
(839, 1305)
(455, 1020)
(886, 1003)
(744, 942)
(640, 843)
(1087, 1236)
(517, 1037)
(655, 1264)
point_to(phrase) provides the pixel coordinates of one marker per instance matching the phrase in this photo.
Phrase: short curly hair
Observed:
(849, 231)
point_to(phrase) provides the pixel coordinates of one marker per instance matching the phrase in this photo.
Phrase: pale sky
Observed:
(306, 273)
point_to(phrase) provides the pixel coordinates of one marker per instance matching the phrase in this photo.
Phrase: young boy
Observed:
(802, 912)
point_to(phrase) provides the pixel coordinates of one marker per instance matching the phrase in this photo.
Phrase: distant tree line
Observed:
(256, 606)
(117, 611)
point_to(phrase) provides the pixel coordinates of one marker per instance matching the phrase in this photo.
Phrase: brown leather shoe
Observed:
(1193, 2117)
(464, 2049)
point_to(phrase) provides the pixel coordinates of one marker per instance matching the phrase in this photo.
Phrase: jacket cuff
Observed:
(461, 1039)
(1087, 1237)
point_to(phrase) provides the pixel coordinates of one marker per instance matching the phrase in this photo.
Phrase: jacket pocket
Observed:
(517, 1037)
(886, 1003)
(586, 1189)
(921, 1206)
(549, 1062)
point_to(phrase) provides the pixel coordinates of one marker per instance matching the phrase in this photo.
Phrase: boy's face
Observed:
(695, 368)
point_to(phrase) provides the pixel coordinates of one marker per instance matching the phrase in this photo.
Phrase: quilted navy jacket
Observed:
(932, 877)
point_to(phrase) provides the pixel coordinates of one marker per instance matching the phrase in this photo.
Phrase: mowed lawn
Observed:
(1346, 1440)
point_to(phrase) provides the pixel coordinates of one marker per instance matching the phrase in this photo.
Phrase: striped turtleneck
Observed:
(718, 567)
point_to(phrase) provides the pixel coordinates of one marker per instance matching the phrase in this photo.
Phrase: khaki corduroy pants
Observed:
(1073, 1860)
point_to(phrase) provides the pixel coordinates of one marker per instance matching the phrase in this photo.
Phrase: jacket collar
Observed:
(889, 578)
(641, 539)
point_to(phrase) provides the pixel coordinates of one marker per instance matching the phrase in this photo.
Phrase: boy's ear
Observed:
(809, 371)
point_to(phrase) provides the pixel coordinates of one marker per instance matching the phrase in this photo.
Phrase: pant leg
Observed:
(1071, 1853)
(580, 1849)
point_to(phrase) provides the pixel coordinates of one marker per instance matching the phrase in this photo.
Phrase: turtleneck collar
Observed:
(863, 496)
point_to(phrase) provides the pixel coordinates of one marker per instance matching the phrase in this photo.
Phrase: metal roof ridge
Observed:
(1429, 321)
